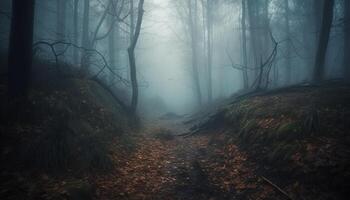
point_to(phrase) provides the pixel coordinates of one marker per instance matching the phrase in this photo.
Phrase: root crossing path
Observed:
(172, 167)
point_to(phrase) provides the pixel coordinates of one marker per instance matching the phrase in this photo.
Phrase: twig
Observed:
(276, 187)
(105, 63)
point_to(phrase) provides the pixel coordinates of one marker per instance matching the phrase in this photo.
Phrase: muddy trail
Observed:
(167, 166)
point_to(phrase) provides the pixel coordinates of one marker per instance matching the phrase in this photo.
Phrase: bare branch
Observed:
(105, 63)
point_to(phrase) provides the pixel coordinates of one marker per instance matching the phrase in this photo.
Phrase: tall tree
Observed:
(288, 43)
(75, 30)
(132, 62)
(193, 26)
(327, 18)
(132, 20)
(131, 27)
(252, 7)
(111, 45)
(85, 35)
(20, 48)
(347, 39)
(209, 26)
(61, 20)
(244, 46)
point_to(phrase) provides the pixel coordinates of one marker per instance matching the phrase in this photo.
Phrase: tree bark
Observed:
(75, 30)
(244, 46)
(347, 39)
(323, 41)
(61, 20)
(209, 46)
(85, 36)
(132, 20)
(194, 47)
(20, 48)
(251, 6)
(111, 48)
(288, 66)
(132, 62)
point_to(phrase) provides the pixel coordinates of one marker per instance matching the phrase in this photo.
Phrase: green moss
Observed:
(238, 112)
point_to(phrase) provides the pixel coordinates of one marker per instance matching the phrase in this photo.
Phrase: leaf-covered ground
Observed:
(291, 144)
(199, 167)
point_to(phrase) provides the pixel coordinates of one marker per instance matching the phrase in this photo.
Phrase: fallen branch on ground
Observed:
(276, 187)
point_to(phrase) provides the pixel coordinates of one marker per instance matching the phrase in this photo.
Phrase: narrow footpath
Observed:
(166, 166)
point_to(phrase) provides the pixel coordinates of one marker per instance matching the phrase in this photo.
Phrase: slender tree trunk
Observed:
(317, 15)
(132, 20)
(95, 37)
(61, 20)
(323, 41)
(85, 37)
(117, 44)
(131, 28)
(113, 46)
(307, 40)
(40, 24)
(315, 23)
(244, 45)
(251, 6)
(75, 30)
(20, 49)
(266, 28)
(347, 39)
(288, 66)
(132, 62)
(194, 46)
(111, 49)
(209, 50)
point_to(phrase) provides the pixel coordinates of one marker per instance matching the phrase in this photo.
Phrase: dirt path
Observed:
(198, 167)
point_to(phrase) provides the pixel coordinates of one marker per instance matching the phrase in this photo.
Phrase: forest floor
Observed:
(74, 144)
(166, 166)
(291, 143)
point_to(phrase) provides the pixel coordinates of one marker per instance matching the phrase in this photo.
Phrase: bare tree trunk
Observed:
(95, 36)
(266, 28)
(131, 52)
(111, 49)
(75, 30)
(317, 15)
(85, 36)
(61, 20)
(132, 20)
(307, 38)
(131, 29)
(323, 41)
(288, 66)
(251, 5)
(20, 49)
(347, 39)
(194, 46)
(209, 50)
(244, 45)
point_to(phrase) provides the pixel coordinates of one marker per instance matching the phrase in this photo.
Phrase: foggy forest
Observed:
(175, 99)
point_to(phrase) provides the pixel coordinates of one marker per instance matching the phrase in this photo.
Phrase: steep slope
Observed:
(67, 128)
(297, 136)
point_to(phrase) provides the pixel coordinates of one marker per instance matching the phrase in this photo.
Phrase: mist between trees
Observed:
(181, 54)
